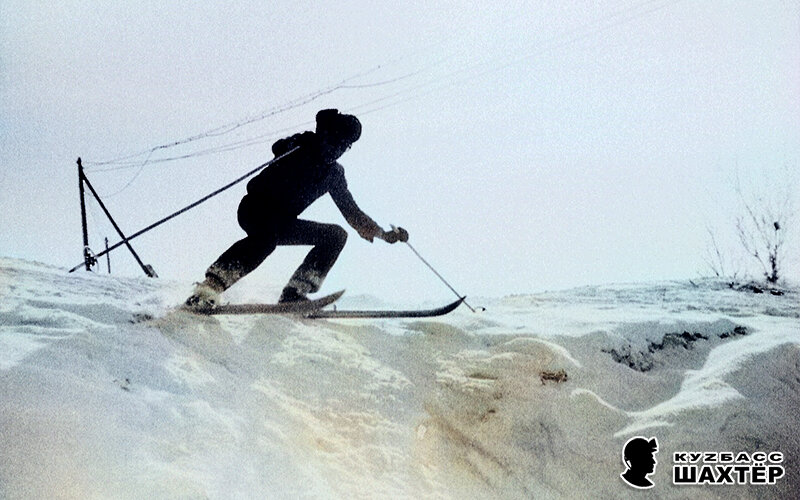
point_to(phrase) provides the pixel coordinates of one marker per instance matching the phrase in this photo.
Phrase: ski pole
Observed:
(440, 276)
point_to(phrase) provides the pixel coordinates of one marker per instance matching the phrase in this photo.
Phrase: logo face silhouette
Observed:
(639, 459)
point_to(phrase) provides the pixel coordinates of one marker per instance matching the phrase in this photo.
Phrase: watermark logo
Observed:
(727, 468)
(639, 459)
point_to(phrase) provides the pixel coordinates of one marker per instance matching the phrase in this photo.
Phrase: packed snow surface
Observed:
(107, 390)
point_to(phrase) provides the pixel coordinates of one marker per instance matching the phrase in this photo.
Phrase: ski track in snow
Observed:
(108, 391)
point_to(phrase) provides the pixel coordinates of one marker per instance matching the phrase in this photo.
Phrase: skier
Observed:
(305, 169)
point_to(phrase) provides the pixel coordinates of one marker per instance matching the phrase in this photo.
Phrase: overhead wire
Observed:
(232, 126)
(127, 161)
(402, 95)
(415, 90)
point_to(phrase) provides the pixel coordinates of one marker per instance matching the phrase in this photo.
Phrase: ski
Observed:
(284, 308)
(421, 313)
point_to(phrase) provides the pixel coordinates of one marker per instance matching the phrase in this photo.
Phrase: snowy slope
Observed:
(106, 392)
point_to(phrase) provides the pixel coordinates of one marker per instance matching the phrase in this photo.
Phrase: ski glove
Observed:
(395, 235)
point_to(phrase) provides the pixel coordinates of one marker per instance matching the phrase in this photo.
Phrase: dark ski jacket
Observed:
(283, 190)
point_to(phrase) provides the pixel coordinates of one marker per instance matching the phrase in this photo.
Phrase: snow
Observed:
(108, 391)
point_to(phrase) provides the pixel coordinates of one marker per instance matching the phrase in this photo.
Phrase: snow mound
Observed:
(108, 391)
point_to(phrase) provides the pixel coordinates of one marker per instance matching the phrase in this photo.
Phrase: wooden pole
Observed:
(148, 270)
(87, 261)
(108, 257)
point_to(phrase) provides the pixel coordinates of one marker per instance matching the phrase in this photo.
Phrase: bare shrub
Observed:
(762, 229)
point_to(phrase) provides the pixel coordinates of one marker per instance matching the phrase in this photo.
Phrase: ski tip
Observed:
(454, 305)
(463, 300)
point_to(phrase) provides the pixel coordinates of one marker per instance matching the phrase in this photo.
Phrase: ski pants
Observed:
(247, 254)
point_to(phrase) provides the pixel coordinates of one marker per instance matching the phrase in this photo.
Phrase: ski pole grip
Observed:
(402, 234)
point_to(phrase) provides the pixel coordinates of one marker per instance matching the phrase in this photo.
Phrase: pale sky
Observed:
(524, 145)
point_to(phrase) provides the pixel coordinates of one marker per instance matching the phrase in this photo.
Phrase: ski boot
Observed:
(205, 297)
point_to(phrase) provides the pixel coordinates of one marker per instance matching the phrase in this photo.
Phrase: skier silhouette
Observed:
(305, 169)
(638, 456)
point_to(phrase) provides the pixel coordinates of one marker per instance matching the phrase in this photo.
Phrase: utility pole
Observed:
(88, 260)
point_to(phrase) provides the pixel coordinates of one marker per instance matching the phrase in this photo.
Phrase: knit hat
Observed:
(346, 127)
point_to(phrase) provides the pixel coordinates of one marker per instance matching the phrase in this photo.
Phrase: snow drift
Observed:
(106, 391)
